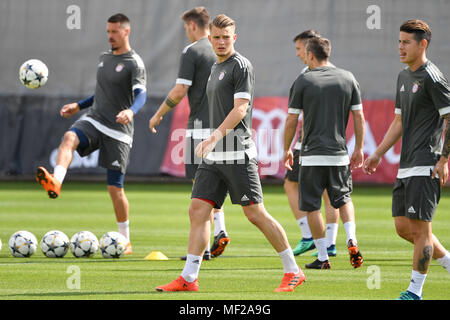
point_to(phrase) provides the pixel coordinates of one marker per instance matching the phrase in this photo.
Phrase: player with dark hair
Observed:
(422, 104)
(195, 67)
(291, 179)
(230, 164)
(108, 126)
(325, 164)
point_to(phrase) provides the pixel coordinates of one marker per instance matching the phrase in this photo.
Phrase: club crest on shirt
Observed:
(415, 86)
(119, 67)
(222, 75)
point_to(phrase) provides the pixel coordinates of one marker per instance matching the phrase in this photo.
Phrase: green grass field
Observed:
(249, 268)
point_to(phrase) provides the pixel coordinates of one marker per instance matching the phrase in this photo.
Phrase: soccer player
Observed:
(108, 126)
(421, 105)
(230, 162)
(291, 180)
(195, 67)
(326, 95)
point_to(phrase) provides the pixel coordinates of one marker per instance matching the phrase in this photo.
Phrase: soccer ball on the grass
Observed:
(83, 244)
(54, 244)
(0, 244)
(22, 244)
(33, 73)
(113, 244)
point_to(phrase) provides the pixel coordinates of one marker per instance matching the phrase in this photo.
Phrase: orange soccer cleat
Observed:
(48, 182)
(179, 284)
(290, 281)
(220, 242)
(356, 258)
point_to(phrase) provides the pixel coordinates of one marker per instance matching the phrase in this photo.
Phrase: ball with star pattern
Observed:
(55, 244)
(22, 244)
(33, 73)
(113, 244)
(84, 244)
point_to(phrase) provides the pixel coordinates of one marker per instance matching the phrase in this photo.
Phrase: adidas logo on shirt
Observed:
(244, 198)
(402, 89)
(411, 210)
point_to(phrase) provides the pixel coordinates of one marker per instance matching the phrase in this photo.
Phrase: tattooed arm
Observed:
(441, 167)
(446, 148)
(173, 99)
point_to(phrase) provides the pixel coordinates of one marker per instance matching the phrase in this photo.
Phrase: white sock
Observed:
(321, 245)
(445, 261)
(350, 229)
(124, 229)
(192, 267)
(288, 260)
(59, 173)
(416, 284)
(208, 246)
(331, 233)
(219, 222)
(304, 227)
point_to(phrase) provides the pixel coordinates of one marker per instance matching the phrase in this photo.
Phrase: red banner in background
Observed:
(269, 116)
(173, 162)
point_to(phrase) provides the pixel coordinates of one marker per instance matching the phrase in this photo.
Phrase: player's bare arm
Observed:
(441, 167)
(69, 110)
(174, 97)
(393, 135)
(289, 133)
(233, 118)
(357, 157)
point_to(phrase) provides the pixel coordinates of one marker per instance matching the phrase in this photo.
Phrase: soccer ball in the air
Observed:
(22, 244)
(33, 73)
(84, 244)
(54, 244)
(113, 244)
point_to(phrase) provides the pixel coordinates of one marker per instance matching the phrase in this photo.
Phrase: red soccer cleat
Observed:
(179, 284)
(290, 281)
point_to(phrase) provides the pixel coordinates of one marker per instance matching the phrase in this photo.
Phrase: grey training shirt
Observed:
(117, 77)
(326, 95)
(230, 80)
(195, 67)
(423, 97)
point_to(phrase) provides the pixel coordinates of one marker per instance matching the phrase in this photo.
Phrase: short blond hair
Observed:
(222, 21)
